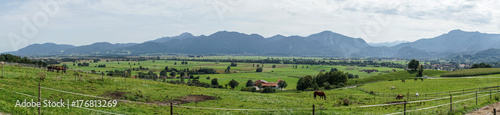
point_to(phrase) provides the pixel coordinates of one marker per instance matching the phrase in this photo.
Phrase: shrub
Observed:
(346, 101)
(315, 86)
(341, 85)
(268, 90)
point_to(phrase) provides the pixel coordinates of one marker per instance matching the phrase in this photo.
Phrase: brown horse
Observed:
(400, 97)
(52, 68)
(321, 94)
(403, 80)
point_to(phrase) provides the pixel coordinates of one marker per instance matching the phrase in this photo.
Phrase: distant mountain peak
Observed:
(459, 31)
(186, 34)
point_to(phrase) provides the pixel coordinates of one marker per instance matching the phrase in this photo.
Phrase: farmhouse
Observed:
(267, 84)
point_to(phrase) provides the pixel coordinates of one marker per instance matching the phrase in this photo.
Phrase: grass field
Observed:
(244, 71)
(150, 97)
(472, 72)
(397, 76)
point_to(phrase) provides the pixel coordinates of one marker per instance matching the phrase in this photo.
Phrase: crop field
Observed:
(136, 96)
(472, 72)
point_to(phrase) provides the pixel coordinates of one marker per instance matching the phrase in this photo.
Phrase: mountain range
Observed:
(326, 43)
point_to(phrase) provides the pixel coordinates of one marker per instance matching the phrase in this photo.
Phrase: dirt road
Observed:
(486, 110)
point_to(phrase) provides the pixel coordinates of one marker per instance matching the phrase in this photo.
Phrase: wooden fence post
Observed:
(39, 98)
(490, 94)
(404, 112)
(494, 111)
(451, 103)
(476, 97)
(313, 109)
(408, 95)
(171, 109)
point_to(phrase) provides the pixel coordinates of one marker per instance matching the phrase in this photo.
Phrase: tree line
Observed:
(17, 59)
(300, 61)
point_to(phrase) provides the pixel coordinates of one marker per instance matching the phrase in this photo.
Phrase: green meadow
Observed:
(137, 96)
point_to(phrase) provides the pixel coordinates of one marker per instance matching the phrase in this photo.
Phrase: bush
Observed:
(249, 89)
(268, 90)
(315, 86)
(327, 86)
(341, 85)
(346, 101)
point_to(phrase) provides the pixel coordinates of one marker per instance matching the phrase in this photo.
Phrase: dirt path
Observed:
(486, 110)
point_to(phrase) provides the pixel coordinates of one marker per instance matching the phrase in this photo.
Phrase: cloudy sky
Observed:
(82, 22)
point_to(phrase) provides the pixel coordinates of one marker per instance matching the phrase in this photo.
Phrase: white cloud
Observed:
(81, 22)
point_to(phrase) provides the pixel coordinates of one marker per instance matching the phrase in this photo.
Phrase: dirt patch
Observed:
(486, 110)
(116, 94)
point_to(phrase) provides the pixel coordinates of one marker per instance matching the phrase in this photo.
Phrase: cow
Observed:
(400, 97)
(321, 94)
(403, 80)
(52, 68)
(393, 87)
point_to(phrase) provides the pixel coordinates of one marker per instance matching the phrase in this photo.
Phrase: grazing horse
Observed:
(422, 79)
(400, 97)
(403, 80)
(416, 79)
(321, 94)
(52, 68)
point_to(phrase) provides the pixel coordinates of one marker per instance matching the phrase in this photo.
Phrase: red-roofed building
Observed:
(267, 84)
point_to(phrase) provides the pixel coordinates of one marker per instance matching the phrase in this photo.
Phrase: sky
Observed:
(83, 22)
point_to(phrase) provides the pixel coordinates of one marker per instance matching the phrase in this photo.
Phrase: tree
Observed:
(163, 73)
(233, 83)
(350, 76)
(175, 63)
(327, 85)
(228, 70)
(333, 69)
(282, 84)
(173, 74)
(315, 86)
(413, 65)
(215, 82)
(304, 82)
(249, 83)
(333, 78)
(259, 69)
(274, 66)
(420, 70)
